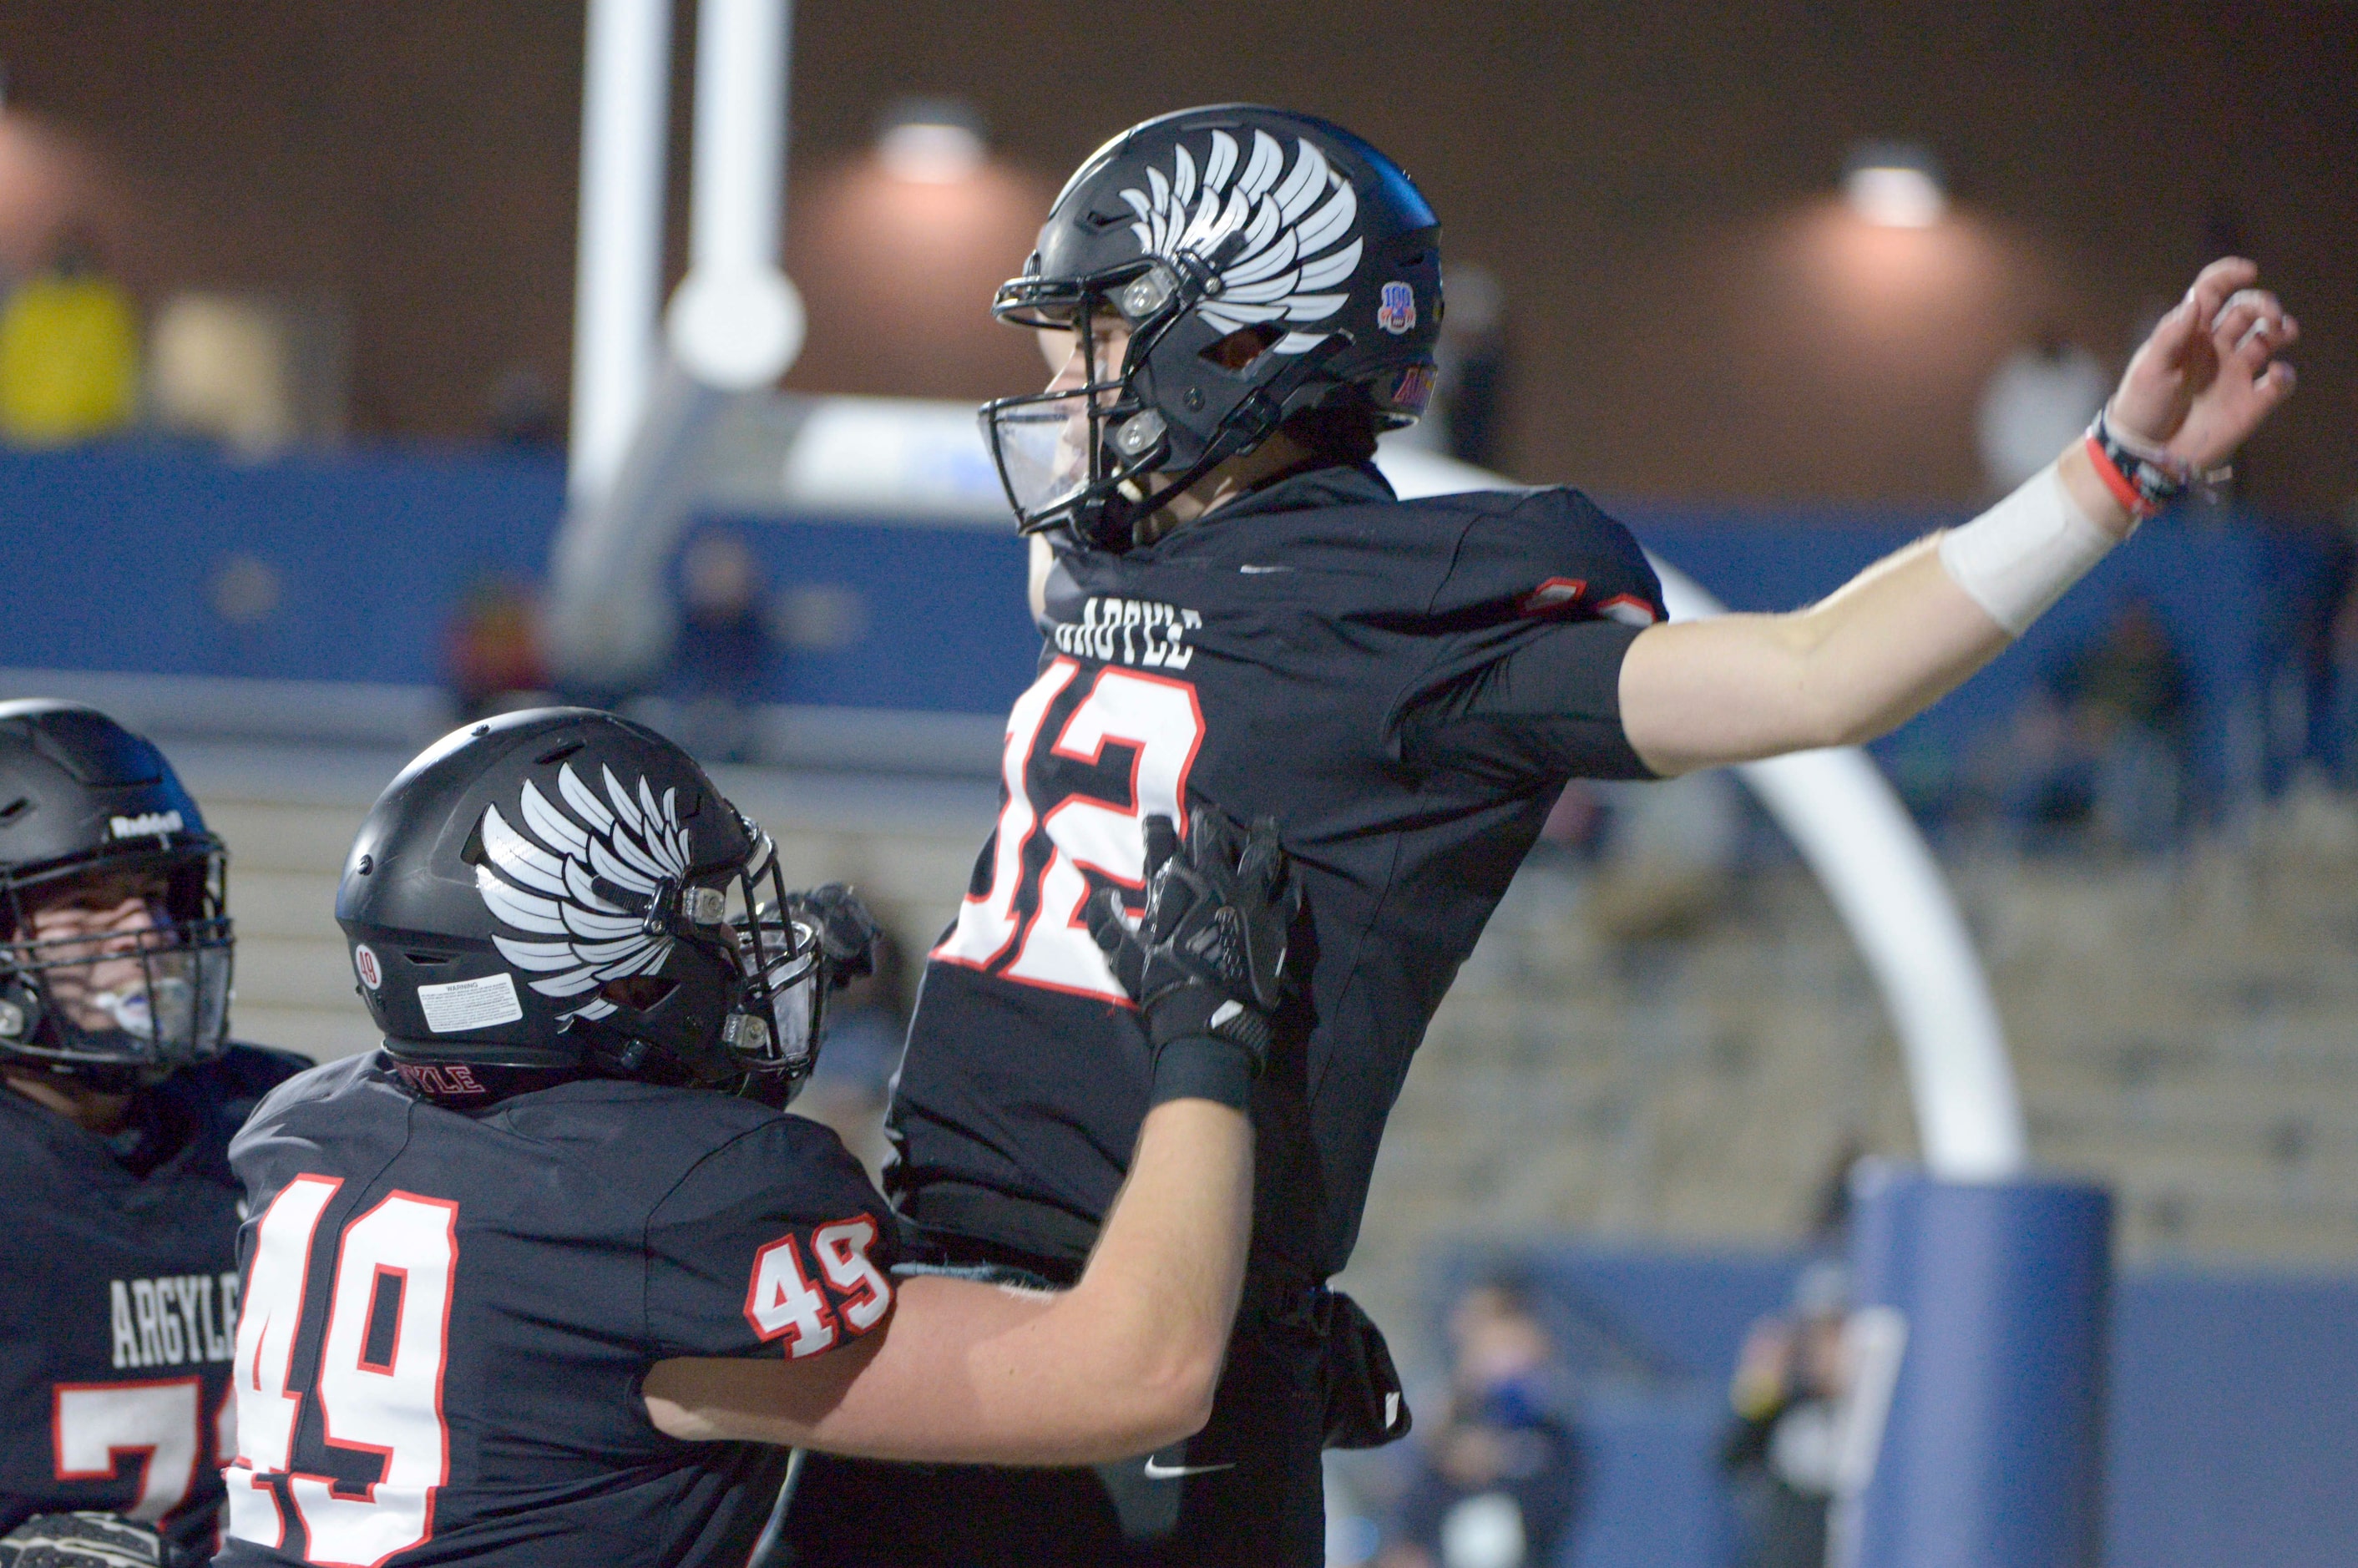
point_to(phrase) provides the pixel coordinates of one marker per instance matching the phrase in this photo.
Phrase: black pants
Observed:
(1248, 1489)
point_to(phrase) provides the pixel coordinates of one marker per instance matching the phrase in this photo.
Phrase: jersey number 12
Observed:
(1163, 724)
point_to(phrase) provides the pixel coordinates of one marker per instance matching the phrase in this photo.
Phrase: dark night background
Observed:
(1692, 316)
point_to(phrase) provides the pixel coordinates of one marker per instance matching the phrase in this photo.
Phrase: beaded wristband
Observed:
(2137, 481)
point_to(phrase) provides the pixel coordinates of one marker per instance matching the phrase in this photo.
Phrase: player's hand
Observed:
(1207, 954)
(847, 934)
(86, 1540)
(2208, 374)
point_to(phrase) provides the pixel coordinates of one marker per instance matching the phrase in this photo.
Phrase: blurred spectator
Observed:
(255, 371)
(2334, 662)
(492, 650)
(1829, 1217)
(1780, 1451)
(1496, 1481)
(2040, 398)
(2107, 747)
(722, 657)
(523, 410)
(867, 1023)
(69, 351)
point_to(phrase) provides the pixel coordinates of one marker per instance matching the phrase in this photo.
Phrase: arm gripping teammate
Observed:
(1125, 1361)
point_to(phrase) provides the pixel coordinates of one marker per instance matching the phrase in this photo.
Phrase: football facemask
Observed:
(1064, 454)
(776, 1028)
(147, 991)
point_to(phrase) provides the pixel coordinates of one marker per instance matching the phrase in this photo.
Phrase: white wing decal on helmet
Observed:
(546, 882)
(1296, 227)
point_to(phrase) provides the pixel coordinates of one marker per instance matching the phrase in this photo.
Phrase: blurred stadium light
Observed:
(1895, 185)
(933, 141)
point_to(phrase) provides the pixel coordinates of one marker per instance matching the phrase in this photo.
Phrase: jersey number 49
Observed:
(379, 1377)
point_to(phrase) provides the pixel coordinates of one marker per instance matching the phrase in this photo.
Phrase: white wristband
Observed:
(2017, 558)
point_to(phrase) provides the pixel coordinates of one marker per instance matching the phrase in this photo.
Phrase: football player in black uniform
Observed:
(540, 1282)
(1233, 601)
(118, 1214)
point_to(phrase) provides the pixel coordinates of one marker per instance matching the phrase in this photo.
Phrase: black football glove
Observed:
(847, 934)
(1207, 959)
(86, 1540)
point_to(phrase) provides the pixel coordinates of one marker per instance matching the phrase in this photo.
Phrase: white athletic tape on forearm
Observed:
(2017, 558)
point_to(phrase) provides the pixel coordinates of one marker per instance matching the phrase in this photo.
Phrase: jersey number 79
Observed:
(1027, 925)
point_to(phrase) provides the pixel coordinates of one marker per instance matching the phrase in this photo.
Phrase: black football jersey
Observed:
(447, 1316)
(1322, 654)
(118, 1300)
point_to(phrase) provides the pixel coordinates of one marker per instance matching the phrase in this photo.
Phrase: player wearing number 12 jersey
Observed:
(552, 1279)
(1236, 300)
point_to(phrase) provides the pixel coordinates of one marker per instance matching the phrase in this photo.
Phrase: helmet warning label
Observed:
(471, 1004)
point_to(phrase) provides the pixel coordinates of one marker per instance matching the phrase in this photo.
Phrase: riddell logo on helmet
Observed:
(141, 825)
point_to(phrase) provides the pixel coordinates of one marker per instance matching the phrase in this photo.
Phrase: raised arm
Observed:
(1125, 1361)
(1856, 664)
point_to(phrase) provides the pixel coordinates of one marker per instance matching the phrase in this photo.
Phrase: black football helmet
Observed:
(562, 889)
(83, 800)
(1265, 262)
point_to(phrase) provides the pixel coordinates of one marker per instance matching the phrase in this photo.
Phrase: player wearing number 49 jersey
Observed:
(552, 1279)
(1234, 301)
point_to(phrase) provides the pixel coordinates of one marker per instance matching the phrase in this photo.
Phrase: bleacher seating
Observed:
(2185, 1029)
(2174, 1026)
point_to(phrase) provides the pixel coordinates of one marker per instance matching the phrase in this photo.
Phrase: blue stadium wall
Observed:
(107, 555)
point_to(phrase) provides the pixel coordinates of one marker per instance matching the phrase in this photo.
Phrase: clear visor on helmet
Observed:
(134, 987)
(788, 997)
(773, 1032)
(1058, 449)
(1041, 444)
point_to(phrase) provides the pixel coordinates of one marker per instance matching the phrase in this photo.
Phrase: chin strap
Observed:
(1245, 428)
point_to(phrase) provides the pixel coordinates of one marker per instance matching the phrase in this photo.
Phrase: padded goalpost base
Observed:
(1982, 1317)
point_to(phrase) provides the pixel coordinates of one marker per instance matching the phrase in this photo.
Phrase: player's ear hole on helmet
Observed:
(1338, 432)
(641, 993)
(1239, 349)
